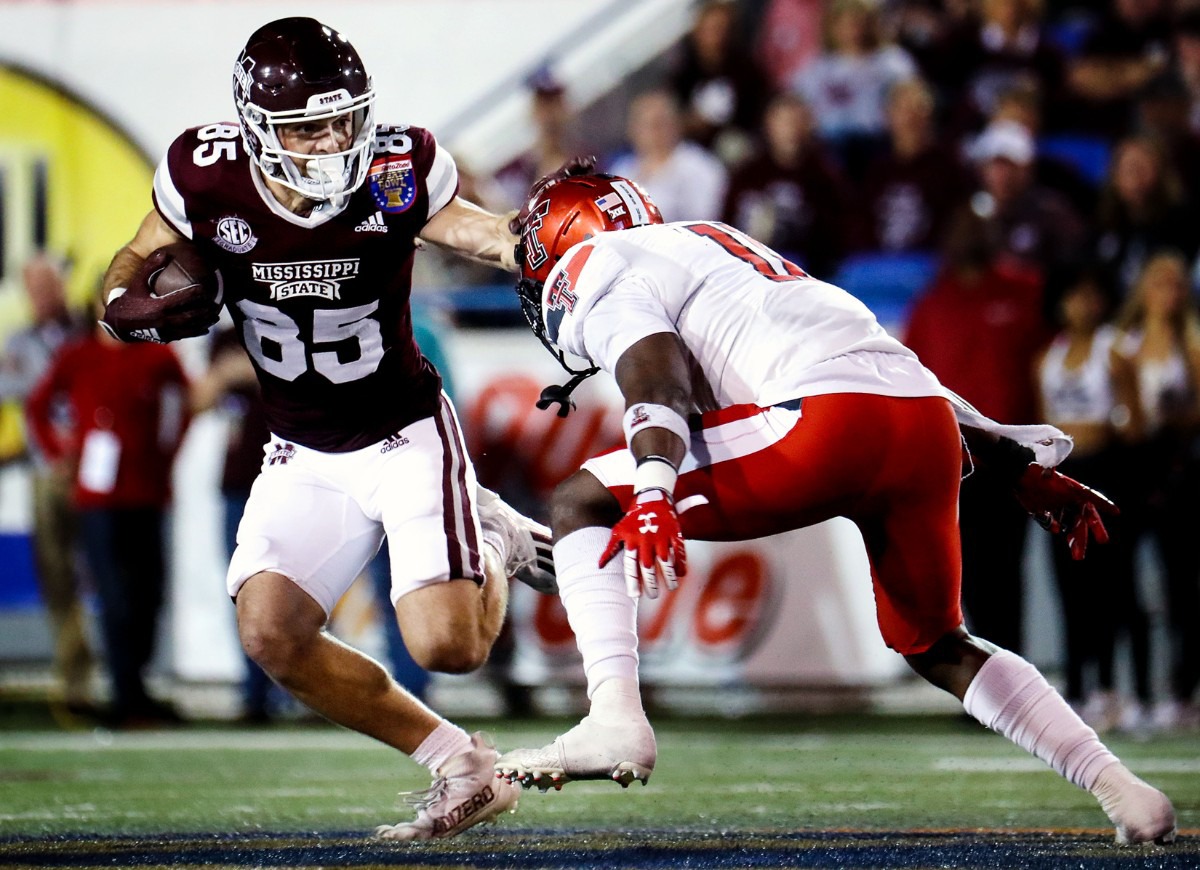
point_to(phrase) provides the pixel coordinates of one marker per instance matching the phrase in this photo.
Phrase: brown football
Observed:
(176, 267)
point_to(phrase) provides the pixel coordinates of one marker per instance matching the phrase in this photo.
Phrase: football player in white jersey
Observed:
(759, 400)
(311, 212)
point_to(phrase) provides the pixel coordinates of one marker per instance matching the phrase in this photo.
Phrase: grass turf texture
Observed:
(845, 791)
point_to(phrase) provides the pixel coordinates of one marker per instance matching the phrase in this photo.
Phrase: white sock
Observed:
(1012, 698)
(617, 702)
(602, 615)
(443, 743)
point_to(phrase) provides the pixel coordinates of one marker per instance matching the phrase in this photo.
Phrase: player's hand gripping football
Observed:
(1063, 505)
(172, 296)
(653, 545)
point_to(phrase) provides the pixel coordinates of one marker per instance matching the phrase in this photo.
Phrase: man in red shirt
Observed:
(128, 417)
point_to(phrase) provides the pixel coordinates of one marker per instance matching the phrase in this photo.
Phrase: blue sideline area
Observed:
(18, 584)
(887, 283)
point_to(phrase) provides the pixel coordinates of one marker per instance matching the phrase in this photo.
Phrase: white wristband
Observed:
(655, 472)
(647, 416)
(114, 293)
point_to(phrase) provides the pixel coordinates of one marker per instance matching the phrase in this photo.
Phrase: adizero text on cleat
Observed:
(465, 793)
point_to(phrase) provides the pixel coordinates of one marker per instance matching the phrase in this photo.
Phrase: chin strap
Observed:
(560, 394)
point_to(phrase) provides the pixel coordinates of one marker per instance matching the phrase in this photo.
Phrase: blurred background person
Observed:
(554, 140)
(906, 198)
(685, 180)
(847, 85)
(719, 83)
(1163, 115)
(1027, 227)
(231, 386)
(979, 327)
(26, 358)
(791, 194)
(1141, 209)
(788, 38)
(1089, 391)
(129, 412)
(1127, 46)
(985, 53)
(1160, 336)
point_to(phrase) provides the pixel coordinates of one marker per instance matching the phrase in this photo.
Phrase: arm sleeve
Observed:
(168, 200)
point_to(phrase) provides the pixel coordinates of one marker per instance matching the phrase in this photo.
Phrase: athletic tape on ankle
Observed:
(647, 416)
(655, 472)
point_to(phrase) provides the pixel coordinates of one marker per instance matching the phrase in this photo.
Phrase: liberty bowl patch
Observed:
(393, 185)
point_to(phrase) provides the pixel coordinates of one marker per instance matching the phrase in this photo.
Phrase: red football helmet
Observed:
(567, 211)
(298, 70)
(566, 208)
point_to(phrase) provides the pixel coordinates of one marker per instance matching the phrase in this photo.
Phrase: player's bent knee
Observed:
(276, 622)
(952, 662)
(581, 501)
(459, 654)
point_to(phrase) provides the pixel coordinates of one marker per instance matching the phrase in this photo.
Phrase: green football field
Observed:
(803, 791)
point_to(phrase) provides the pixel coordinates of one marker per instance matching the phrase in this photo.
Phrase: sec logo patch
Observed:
(393, 184)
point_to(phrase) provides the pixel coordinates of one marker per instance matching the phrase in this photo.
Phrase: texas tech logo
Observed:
(560, 294)
(535, 253)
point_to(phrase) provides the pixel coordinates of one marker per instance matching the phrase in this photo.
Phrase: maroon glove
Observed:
(653, 544)
(187, 309)
(1061, 504)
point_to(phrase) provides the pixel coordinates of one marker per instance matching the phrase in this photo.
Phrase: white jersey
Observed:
(759, 330)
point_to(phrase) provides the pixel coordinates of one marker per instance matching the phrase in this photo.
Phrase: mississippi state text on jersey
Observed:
(321, 302)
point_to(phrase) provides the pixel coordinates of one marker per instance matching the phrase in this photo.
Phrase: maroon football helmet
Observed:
(297, 70)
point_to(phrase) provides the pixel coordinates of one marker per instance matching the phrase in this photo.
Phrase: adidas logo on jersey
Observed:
(373, 224)
(392, 442)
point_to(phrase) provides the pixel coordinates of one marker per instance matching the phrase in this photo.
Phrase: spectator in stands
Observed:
(1187, 61)
(1128, 46)
(985, 56)
(979, 328)
(791, 195)
(1089, 391)
(788, 38)
(1141, 209)
(129, 410)
(687, 182)
(553, 143)
(27, 356)
(906, 199)
(848, 84)
(718, 83)
(1022, 104)
(231, 386)
(1029, 228)
(1161, 338)
(1163, 114)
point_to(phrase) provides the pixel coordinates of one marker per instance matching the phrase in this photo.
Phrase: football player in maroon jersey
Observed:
(759, 400)
(311, 211)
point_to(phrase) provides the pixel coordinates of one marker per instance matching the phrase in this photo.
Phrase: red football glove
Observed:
(140, 315)
(653, 544)
(1061, 504)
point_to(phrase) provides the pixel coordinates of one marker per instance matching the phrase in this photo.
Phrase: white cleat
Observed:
(528, 543)
(1140, 812)
(465, 793)
(588, 751)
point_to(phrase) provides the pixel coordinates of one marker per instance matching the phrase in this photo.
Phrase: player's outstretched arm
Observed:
(474, 232)
(1060, 504)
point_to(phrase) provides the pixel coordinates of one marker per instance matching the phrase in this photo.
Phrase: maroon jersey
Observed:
(321, 302)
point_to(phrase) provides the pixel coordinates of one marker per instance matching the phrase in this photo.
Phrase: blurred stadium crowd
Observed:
(1013, 186)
